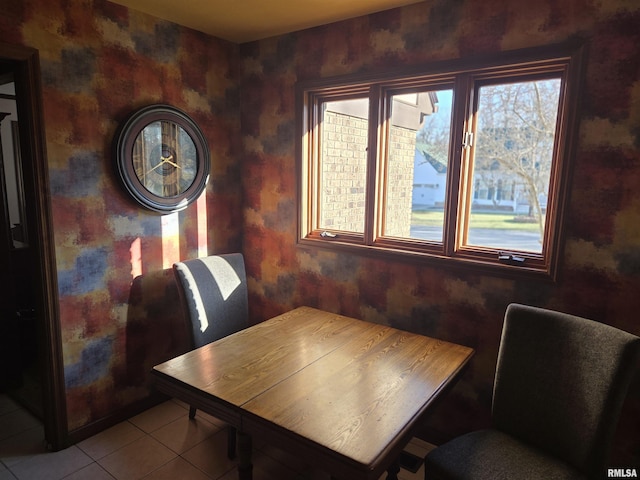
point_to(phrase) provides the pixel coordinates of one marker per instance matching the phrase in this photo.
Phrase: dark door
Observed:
(20, 368)
(9, 350)
(32, 367)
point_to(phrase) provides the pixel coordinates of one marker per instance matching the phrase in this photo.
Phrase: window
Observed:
(456, 163)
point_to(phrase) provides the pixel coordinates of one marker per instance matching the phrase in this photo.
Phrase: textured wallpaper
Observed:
(118, 303)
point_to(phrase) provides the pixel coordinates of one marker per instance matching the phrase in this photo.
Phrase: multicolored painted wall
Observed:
(117, 299)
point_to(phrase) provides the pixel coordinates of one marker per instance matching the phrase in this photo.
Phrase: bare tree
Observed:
(516, 125)
(436, 129)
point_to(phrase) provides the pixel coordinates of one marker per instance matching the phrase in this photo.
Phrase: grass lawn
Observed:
(498, 221)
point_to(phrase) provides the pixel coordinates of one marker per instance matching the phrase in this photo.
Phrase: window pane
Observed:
(343, 165)
(516, 125)
(417, 165)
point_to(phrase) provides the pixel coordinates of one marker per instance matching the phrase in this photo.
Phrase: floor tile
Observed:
(22, 446)
(185, 433)
(158, 416)
(14, 422)
(110, 440)
(7, 405)
(210, 456)
(137, 459)
(266, 468)
(52, 465)
(419, 448)
(6, 475)
(162, 443)
(92, 472)
(178, 468)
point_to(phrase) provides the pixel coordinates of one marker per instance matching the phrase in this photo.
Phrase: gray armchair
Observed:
(559, 386)
(213, 291)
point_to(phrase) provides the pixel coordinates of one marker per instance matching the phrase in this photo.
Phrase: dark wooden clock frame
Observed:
(124, 141)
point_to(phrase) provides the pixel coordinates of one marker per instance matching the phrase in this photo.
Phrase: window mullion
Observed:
(374, 170)
(457, 179)
(314, 170)
(307, 205)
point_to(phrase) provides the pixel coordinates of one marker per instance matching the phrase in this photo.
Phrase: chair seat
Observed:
(493, 455)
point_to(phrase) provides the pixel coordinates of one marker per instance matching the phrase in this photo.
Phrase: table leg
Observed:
(231, 442)
(392, 471)
(245, 468)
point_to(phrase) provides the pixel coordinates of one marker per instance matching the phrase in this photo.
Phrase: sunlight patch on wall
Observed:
(136, 258)
(203, 238)
(170, 239)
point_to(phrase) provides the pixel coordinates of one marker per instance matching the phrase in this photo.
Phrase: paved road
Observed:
(510, 240)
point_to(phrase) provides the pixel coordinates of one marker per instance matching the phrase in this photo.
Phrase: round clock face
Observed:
(165, 159)
(162, 158)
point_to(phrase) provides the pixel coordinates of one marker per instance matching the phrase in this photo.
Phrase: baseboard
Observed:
(119, 416)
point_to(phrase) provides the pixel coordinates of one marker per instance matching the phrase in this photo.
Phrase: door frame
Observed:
(27, 80)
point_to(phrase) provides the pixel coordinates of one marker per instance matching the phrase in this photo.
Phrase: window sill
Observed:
(455, 263)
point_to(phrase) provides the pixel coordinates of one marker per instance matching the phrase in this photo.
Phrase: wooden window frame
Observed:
(465, 75)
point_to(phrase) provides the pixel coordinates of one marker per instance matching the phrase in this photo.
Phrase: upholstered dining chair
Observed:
(559, 386)
(213, 291)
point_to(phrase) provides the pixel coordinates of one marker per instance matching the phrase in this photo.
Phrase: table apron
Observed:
(215, 408)
(339, 466)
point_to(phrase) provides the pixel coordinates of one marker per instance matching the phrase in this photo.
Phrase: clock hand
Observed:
(163, 160)
(152, 169)
(173, 164)
(168, 160)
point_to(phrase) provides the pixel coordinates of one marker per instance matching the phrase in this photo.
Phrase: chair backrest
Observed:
(214, 292)
(560, 383)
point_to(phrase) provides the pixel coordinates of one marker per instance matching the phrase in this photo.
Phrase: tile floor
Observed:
(158, 444)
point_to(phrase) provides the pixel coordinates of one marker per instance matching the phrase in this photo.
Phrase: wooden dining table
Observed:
(343, 394)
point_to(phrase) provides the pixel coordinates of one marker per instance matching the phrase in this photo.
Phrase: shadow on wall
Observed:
(156, 330)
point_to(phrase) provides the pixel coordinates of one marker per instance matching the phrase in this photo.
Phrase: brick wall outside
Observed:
(402, 147)
(344, 170)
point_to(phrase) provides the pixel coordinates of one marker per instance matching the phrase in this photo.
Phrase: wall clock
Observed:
(162, 158)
